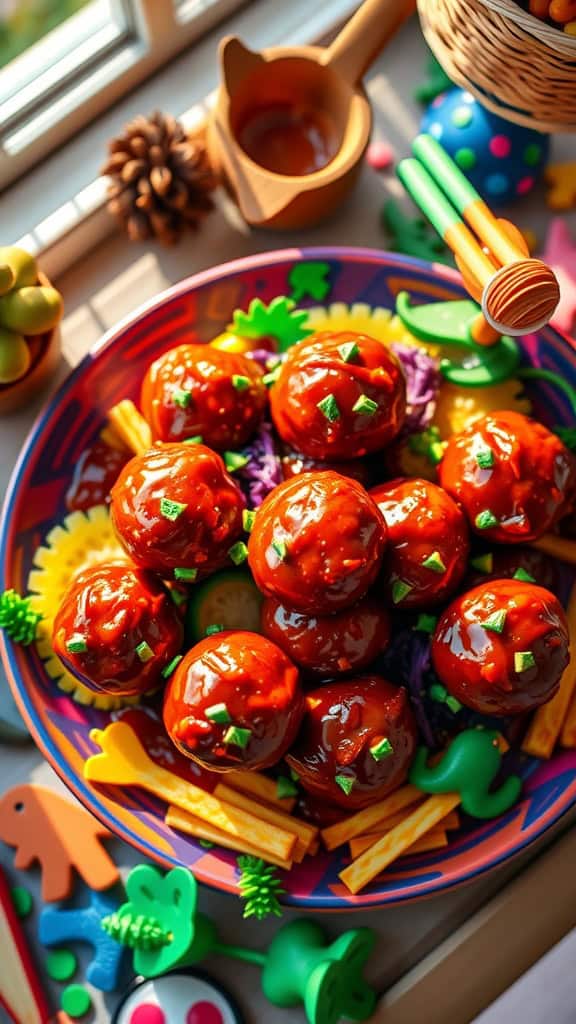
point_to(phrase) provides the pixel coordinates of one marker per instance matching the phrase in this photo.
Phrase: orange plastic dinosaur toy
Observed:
(60, 835)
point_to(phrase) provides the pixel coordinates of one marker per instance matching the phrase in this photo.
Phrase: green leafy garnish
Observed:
(234, 461)
(259, 887)
(524, 576)
(279, 320)
(17, 619)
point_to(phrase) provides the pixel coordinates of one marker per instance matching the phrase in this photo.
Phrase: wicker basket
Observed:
(516, 65)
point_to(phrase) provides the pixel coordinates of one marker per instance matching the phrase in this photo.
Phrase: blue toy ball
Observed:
(502, 160)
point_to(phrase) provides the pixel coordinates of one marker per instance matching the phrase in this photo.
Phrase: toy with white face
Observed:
(180, 997)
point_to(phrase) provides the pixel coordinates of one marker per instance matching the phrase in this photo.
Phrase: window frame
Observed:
(138, 39)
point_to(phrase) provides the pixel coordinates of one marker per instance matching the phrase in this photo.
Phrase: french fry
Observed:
(557, 547)
(547, 721)
(433, 840)
(448, 824)
(261, 787)
(391, 846)
(368, 819)
(130, 426)
(112, 439)
(306, 834)
(184, 822)
(568, 734)
(125, 762)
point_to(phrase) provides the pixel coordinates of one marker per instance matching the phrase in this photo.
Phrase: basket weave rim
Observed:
(549, 34)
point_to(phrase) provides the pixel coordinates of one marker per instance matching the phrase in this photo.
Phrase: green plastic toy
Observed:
(469, 767)
(299, 968)
(279, 321)
(308, 280)
(26, 308)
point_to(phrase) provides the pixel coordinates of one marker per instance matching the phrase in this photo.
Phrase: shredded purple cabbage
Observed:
(422, 382)
(407, 662)
(263, 471)
(263, 357)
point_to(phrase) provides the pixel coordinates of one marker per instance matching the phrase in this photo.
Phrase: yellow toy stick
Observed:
(547, 721)
(124, 762)
(378, 857)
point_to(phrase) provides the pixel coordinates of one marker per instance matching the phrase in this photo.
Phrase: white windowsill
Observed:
(58, 209)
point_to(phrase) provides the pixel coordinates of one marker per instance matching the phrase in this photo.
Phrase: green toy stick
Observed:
(161, 924)
(469, 767)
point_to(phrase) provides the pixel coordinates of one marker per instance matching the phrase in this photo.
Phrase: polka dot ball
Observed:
(502, 160)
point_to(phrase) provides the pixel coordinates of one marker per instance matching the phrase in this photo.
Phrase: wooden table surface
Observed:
(107, 285)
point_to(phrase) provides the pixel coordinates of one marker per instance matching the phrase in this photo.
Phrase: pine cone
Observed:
(161, 179)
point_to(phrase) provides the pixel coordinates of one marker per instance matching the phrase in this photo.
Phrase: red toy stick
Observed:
(20, 991)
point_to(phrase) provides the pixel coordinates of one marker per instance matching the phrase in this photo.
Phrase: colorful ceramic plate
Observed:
(196, 310)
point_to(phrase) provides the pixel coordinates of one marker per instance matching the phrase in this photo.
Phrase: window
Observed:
(62, 62)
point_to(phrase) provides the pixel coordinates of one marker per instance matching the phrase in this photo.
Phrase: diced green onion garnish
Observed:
(434, 562)
(349, 351)
(76, 644)
(237, 737)
(238, 552)
(182, 398)
(248, 517)
(523, 660)
(485, 458)
(233, 461)
(218, 713)
(485, 520)
(346, 783)
(171, 509)
(213, 628)
(239, 382)
(381, 749)
(524, 576)
(426, 623)
(185, 575)
(285, 787)
(495, 622)
(197, 439)
(400, 590)
(168, 670)
(279, 546)
(144, 651)
(329, 408)
(484, 563)
(365, 406)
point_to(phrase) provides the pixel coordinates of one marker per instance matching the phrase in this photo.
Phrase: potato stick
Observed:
(557, 547)
(261, 787)
(130, 426)
(436, 835)
(547, 721)
(313, 850)
(184, 822)
(125, 762)
(370, 863)
(364, 821)
(451, 822)
(112, 439)
(306, 834)
(568, 734)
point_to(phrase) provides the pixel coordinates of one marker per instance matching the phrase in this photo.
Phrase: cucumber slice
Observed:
(229, 598)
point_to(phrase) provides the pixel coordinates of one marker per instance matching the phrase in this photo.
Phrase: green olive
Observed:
(31, 310)
(14, 356)
(6, 278)
(21, 263)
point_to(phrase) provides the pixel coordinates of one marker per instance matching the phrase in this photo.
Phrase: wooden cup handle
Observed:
(365, 35)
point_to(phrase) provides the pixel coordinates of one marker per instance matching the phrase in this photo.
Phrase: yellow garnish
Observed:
(458, 407)
(82, 540)
(378, 322)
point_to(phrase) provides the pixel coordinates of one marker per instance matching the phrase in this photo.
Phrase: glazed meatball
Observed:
(513, 477)
(116, 630)
(338, 396)
(95, 474)
(199, 390)
(329, 645)
(317, 543)
(234, 701)
(427, 549)
(177, 511)
(357, 741)
(501, 648)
